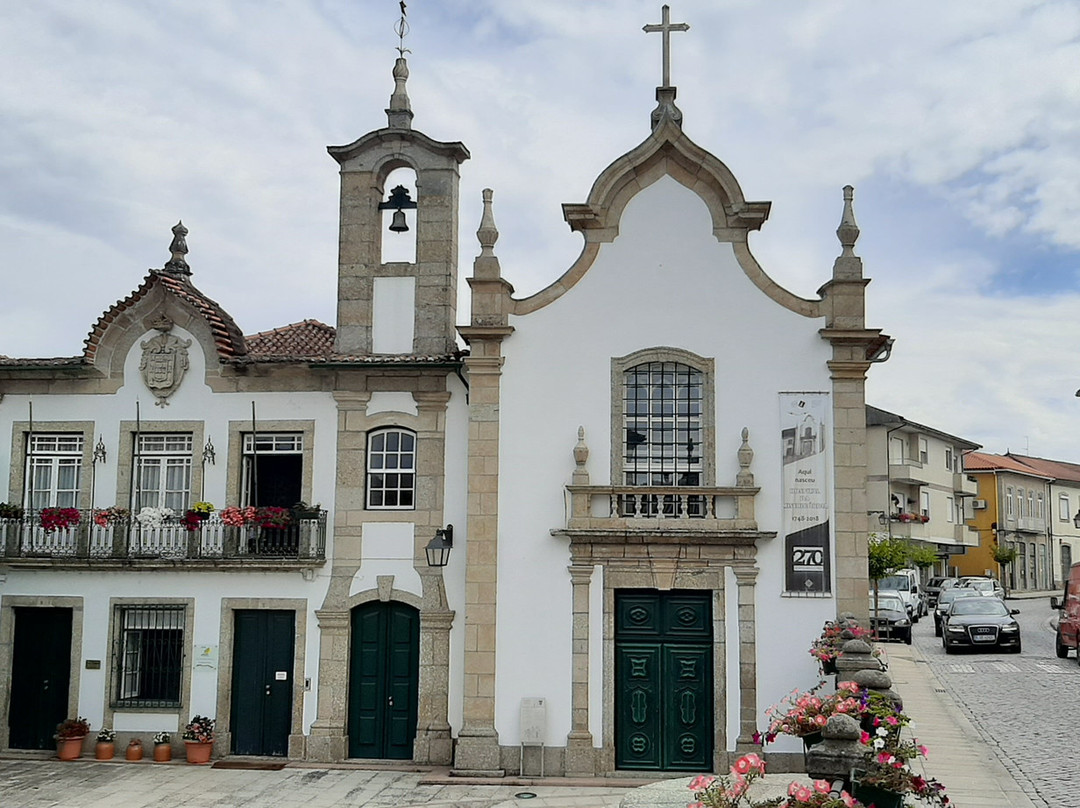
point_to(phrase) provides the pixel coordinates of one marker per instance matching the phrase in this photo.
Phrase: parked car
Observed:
(891, 621)
(934, 587)
(986, 586)
(906, 582)
(1068, 630)
(946, 599)
(980, 623)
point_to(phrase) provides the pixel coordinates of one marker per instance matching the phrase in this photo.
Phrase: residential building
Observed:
(1063, 513)
(917, 487)
(651, 477)
(1011, 510)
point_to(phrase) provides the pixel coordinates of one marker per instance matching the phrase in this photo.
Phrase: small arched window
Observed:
(391, 469)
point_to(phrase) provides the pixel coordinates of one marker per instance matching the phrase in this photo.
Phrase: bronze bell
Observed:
(398, 223)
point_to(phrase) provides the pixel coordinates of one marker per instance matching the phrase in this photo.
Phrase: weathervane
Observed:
(665, 27)
(401, 28)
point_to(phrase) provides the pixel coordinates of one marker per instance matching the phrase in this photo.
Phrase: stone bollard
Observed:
(878, 681)
(855, 655)
(839, 752)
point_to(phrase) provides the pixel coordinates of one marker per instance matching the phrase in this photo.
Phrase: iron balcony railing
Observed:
(302, 539)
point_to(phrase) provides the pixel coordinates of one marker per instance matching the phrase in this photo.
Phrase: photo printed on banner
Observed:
(806, 499)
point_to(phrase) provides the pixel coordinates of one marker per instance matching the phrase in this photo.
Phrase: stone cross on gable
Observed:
(666, 27)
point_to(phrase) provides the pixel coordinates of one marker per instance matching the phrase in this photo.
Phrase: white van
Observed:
(906, 582)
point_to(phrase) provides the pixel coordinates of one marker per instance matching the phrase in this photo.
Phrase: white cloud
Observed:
(127, 116)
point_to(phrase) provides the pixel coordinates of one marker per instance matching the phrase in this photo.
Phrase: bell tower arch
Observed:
(378, 299)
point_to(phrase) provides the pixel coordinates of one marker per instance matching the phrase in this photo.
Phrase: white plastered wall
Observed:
(665, 281)
(192, 401)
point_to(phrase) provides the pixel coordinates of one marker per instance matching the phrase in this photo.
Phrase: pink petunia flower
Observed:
(702, 782)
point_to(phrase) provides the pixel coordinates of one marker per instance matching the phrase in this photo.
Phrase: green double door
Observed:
(384, 675)
(663, 680)
(262, 686)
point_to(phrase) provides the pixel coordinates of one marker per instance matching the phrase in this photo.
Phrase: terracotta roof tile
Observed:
(1058, 469)
(227, 336)
(984, 461)
(306, 339)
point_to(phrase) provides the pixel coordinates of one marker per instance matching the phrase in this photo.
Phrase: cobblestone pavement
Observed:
(85, 783)
(1026, 706)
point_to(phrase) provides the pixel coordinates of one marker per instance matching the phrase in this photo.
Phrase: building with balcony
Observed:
(1062, 515)
(651, 476)
(1012, 509)
(917, 488)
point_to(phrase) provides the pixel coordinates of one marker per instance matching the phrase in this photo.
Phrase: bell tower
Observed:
(388, 304)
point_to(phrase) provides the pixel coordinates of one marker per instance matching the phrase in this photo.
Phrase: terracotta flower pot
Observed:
(104, 750)
(197, 752)
(162, 752)
(134, 751)
(69, 748)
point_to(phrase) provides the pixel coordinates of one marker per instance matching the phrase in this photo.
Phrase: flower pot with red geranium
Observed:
(199, 739)
(70, 734)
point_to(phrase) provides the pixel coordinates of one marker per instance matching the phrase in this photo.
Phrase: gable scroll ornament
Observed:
(164, 360)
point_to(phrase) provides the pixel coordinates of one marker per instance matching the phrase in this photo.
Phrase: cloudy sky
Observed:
(958, 123)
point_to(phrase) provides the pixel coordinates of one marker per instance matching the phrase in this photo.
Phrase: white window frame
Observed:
(950, 509)
(1009, 502)
(391, 472)
(1064, 511)
(166, 457)
(54, 470)
(924, 503)
(949, 465)
(924, 451)
(896, 451)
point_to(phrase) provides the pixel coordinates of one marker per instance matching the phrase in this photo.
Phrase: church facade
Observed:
(597, 538)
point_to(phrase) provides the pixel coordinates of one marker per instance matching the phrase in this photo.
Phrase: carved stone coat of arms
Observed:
(164, 360)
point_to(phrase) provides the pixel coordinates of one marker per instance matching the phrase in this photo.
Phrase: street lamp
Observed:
(438, 549)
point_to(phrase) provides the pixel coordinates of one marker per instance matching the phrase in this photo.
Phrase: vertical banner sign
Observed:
(806, 499)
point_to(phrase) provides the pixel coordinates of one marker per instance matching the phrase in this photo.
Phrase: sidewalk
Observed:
(965, 764)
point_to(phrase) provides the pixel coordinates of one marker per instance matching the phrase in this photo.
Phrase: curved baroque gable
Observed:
(124, 322)
(667, 152)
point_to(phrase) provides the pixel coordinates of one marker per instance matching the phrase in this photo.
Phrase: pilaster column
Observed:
(433, 744)
(328, 741)
(746, 579)
(580, 753)
(478, 742)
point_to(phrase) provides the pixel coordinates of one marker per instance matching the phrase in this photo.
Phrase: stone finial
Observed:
(487, 234)
(179, 249)
(581, 451)
(665, 108)
(581, 456)
(745, 478)
(848, 231)
(399, 115)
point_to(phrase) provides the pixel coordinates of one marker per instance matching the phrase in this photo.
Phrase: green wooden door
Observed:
(663, 680)
(384, 671)
(262, 681)
(40, 676)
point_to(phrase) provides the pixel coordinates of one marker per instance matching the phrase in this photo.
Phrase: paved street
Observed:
(1027, 706)
(44, 783)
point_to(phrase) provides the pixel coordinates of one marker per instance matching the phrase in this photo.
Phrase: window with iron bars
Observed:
(149, 655)
(662, 443)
